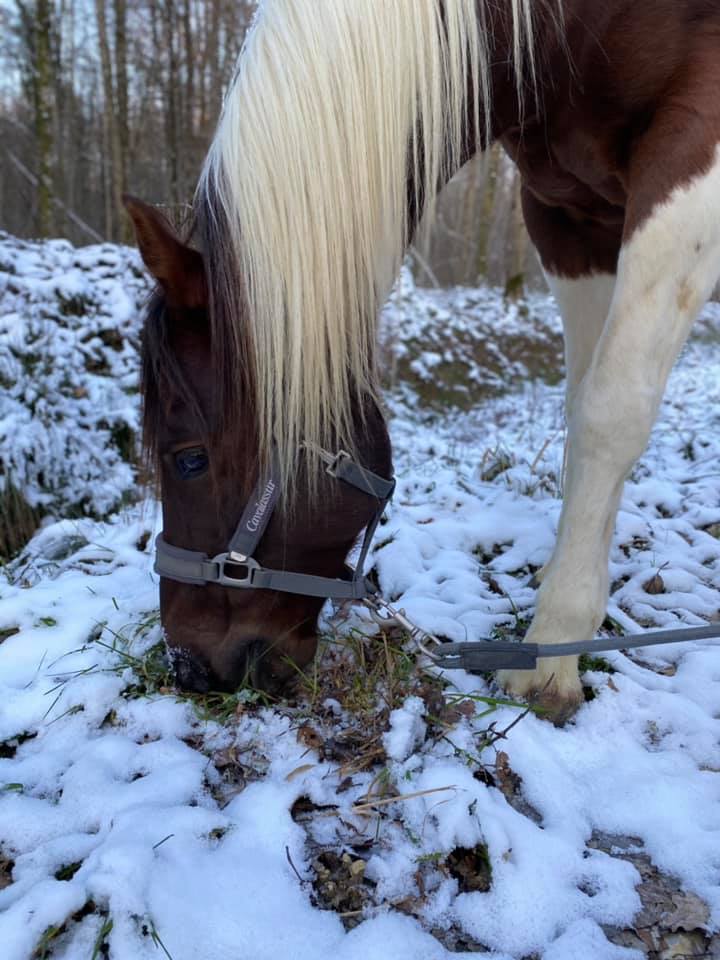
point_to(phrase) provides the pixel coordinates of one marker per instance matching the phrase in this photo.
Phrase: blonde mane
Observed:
(339, 113)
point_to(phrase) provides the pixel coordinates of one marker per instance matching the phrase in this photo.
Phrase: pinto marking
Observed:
(666, 272)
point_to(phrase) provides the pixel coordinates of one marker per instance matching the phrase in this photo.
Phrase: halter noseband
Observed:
(237, 569)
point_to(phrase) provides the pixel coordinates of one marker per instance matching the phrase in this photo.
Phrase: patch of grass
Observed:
(436, 857)
(102, 948)
(367, 677)
(595, 664)
(223, 707)
(152, 670)
(43, 950)
(614, 626)
(494, 463)
(150, 930)
(154, 675)
(68, 871)
(6, 632)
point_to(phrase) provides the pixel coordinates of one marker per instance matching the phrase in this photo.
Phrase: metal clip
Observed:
(385, 615)
(474, 657)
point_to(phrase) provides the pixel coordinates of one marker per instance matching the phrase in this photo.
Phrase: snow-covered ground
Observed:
(69, 332)
(135, 823)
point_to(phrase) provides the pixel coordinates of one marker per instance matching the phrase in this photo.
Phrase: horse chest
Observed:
(571, 167)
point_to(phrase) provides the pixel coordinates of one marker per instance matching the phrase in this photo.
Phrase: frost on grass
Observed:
(377, 810)
(69, 328)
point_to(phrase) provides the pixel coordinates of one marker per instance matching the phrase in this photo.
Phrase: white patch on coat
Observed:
(584, 305)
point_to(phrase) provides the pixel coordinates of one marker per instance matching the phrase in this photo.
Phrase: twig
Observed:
(370, 805)
(295, 869)
(31, 178)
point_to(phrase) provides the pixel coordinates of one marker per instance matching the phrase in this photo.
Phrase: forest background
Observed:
(99, 97)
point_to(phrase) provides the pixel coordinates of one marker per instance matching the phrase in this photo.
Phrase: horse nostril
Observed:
(190, 672)
(255, 667)
(260, 667)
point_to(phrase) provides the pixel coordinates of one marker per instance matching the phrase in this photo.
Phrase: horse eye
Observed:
(192, 462)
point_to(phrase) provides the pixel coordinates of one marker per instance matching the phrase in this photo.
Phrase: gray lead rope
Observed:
(489, 655)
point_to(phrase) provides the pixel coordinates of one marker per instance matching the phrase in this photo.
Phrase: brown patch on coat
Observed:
(685, 298)
(627, 112)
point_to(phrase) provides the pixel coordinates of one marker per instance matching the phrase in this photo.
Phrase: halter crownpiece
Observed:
(236, 567)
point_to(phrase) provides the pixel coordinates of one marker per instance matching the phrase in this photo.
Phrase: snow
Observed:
(69, 330)
(125, 787)
(407, 729)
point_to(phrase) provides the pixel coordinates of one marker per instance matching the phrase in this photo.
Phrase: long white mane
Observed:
(339, 111)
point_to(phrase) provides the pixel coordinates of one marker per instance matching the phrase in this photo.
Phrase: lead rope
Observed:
(490, 655)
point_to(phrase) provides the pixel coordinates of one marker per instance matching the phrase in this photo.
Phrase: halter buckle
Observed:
(225, 560)
(340, 457)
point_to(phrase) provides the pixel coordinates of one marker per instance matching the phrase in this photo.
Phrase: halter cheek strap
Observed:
(236, 568)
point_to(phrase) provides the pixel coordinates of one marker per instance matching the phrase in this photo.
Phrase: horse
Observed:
(341, 124)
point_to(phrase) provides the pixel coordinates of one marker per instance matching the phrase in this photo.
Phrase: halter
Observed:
(236, 568)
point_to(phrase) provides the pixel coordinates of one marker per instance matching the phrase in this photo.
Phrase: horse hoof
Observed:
(549, 698)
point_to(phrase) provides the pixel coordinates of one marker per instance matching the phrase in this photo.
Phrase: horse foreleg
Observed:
(666, 271)
(584, 304)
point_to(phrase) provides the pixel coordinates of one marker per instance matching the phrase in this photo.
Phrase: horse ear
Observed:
(178, 268)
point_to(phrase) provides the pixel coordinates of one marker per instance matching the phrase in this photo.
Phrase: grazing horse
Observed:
(343, 121)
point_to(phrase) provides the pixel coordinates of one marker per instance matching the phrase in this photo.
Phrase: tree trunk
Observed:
(172, 87)
(123, 131)
(110, 121)
(501, 221)
(43, 116)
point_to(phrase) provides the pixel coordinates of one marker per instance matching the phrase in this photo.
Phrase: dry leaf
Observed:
(299, 771)
(506, 778)
(654, 585)
(310, 737)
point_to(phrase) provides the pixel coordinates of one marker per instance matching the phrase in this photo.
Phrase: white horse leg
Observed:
(584, 304)
(666, 272)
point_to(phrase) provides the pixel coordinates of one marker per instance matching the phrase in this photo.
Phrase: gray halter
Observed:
(236, 568)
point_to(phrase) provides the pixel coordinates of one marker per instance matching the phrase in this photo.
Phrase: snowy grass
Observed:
(69, 330)
(379, 809)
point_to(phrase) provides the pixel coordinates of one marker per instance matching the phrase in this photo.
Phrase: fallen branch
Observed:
(71, 215)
